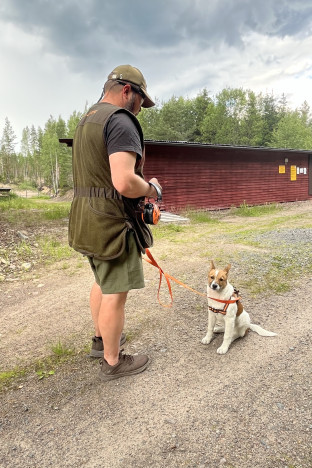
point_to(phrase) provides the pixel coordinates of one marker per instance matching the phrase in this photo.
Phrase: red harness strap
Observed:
(219, 311)
(226, 304)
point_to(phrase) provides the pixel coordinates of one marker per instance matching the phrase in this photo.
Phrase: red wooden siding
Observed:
(211, 177)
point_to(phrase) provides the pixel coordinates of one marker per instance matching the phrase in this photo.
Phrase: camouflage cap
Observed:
(132, 75)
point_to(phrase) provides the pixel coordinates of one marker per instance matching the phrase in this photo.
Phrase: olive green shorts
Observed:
(122, 273)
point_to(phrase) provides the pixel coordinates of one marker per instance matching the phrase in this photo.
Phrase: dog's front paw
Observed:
(223, 349)
(206, 339)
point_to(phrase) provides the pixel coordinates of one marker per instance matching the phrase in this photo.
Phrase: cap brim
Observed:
(148, 102)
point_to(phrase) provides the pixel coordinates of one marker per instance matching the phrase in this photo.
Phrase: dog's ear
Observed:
(212, 265)
(227, 268)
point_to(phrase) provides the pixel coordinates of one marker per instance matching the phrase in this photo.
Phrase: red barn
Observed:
(204, 176)
(218, 176)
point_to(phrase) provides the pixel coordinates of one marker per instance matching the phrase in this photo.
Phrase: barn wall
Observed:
(209, 177)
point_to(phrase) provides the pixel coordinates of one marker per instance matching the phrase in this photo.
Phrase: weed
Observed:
(8, 376)
(42, 374)
(59, 349)
(44, 367)
(23, 249)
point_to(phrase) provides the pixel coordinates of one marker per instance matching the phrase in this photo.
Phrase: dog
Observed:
(226, 313)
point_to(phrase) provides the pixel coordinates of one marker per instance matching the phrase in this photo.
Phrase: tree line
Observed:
(234, 116)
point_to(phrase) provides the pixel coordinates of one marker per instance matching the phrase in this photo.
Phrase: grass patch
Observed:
(199, 217)
(7, 377)
(61, 350)
(162, 231)
(255, 211)
(42, 368)
(53, 250)
(38, 208)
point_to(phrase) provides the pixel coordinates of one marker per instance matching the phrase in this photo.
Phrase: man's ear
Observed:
(126, 90)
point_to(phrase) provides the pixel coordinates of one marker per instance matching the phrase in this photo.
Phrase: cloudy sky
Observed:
(55, 55)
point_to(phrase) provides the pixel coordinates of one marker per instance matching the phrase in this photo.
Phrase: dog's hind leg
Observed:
(211, 323)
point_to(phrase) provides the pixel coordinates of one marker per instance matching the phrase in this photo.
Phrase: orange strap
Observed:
(153, 262)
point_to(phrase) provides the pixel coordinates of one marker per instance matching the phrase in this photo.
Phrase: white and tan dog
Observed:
(226, 314)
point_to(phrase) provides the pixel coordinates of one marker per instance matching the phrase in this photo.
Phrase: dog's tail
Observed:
(261, 331)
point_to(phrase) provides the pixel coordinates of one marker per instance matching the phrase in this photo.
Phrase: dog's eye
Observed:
(212, 277)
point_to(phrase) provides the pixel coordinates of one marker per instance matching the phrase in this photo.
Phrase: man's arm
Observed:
(125, 181)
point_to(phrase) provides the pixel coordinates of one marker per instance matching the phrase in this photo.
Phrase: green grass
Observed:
(42, 368)
(255, 211)
(199, 217)
(53, 250)
(162, 231)
(59, 349)
(36, 208)
(8, 376)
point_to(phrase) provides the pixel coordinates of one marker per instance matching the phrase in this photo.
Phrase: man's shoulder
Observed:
(123, 117)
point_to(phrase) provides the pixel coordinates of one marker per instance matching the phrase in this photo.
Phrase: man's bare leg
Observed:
(95, 304)
(111, 319)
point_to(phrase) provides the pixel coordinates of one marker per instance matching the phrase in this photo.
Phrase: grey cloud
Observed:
(91, 32)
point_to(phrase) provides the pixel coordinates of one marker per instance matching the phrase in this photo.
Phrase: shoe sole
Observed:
(99, 354)
(107, 378)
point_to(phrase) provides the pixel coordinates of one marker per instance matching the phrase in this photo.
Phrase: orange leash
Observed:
(153, 262)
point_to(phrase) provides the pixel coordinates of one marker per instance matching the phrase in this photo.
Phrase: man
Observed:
(106, 213)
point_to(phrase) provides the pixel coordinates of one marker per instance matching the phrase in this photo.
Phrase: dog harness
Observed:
(236, 299)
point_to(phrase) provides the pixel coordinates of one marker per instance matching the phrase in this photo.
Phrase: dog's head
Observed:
(217, 279)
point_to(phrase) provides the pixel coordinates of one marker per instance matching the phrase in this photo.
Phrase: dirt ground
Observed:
(192, 407)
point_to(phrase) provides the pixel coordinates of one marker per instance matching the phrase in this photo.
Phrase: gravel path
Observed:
(191, 408)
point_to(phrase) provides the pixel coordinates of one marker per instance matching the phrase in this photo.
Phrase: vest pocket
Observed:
(111, 208)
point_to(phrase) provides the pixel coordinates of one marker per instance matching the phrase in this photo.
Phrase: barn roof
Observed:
(69, 142)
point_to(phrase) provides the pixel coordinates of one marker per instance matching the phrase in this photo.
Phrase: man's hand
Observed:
(153, 192)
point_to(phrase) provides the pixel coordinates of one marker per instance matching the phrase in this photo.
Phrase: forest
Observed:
(234, 117)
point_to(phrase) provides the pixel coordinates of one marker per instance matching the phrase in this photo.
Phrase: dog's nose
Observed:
(214, 286)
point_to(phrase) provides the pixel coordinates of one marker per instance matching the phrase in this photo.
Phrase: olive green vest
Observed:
(100, 217)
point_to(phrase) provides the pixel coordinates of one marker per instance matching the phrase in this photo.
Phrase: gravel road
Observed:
(192, 407)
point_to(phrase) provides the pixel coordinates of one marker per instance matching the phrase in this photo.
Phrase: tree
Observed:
(270, 116)
(252, 123)
(72, 123)
(7, 153)
(198, 111)
(25, 153)
(292, 132)
(150, 122)
(222, 123)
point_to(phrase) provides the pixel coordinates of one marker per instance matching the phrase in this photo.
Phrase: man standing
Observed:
(106, 213)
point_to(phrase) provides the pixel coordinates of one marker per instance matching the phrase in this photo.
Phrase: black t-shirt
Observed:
(121, 134)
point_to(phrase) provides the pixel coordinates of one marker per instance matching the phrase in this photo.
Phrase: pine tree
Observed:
(8, 157)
